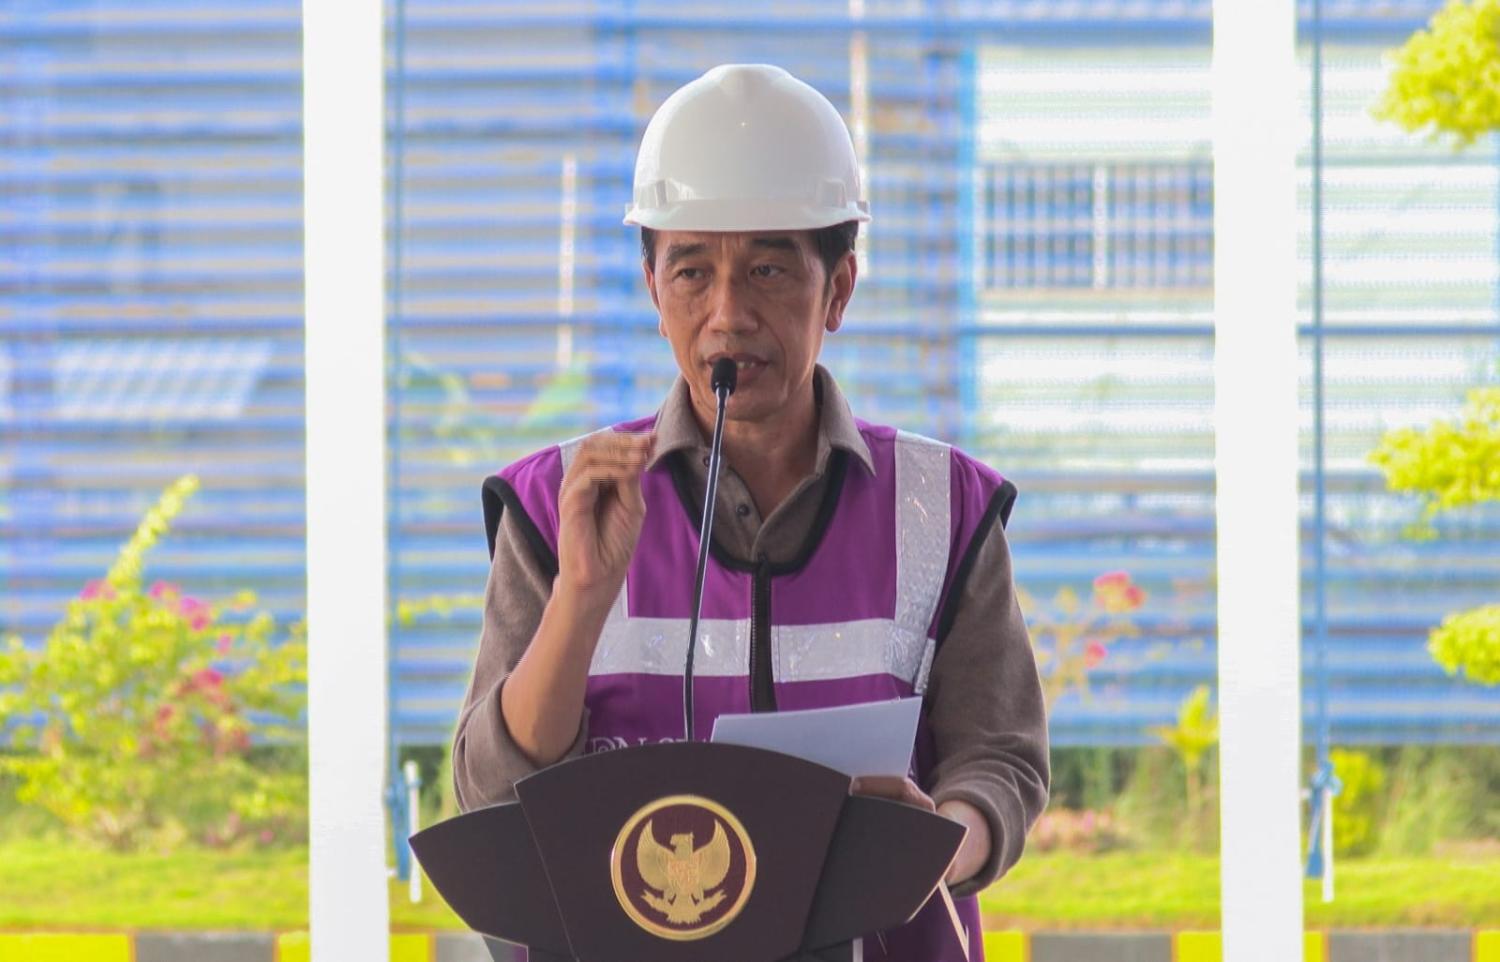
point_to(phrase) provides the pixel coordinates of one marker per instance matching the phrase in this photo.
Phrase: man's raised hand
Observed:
(600, 514)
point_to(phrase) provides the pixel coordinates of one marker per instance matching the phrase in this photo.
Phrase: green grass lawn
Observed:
(46, 885)
(1168, 891)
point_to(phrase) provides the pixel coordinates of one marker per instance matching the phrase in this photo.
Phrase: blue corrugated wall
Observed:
(150, 300)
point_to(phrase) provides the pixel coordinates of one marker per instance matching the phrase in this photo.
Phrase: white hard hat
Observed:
(746, 147)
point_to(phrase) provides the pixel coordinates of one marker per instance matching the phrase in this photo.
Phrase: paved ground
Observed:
(1378, 946)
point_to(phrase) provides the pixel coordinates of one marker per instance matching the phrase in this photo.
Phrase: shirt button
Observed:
(705, 460)
(743, 511)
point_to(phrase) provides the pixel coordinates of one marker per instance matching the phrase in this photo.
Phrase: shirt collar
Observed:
(677, 429)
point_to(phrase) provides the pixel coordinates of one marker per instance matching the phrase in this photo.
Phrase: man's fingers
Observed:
(631, 493)
(885, 786)
(605, 461)
(585, 488)
(614, 452)
(893, 787)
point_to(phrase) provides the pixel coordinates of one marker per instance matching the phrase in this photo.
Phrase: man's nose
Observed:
(731, 307)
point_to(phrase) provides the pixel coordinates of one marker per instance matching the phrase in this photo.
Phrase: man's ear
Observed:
(650, 276)
(841, 290)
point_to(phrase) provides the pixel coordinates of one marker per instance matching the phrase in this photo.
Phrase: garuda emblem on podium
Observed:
(683, 867)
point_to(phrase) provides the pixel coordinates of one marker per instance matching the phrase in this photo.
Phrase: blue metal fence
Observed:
(150, 298)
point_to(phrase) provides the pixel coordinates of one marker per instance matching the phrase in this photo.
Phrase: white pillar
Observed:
(344, 203)
(859, 120)
(1256, 122)
(567, 262)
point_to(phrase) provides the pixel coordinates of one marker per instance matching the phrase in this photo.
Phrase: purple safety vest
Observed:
(857, 616)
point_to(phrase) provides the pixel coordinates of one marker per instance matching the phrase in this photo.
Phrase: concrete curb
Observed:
(1402, 946)
(1391, 945)
(1101, 947)
(204, 946)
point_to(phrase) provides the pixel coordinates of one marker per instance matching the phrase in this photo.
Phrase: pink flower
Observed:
(1112, 579)
(164, 589)
(1117, 594)
(198, 613)
(1094, 653)
(210, 684)
(226, 640)
(160, 725)
(206, 678)
(97, 589)
(228, 740)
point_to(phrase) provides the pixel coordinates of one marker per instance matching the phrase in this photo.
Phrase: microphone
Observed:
(725, 375)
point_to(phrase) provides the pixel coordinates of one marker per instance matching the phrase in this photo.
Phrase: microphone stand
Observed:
(724, 377)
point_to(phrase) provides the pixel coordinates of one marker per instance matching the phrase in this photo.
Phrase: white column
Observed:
(859, 121)
(567, 260)
(344, 202)
(1255, 125)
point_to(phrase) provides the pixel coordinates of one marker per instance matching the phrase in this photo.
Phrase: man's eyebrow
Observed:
(677, 252)
(775, 243)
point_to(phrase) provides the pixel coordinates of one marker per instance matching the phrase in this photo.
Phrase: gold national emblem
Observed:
(683, 867)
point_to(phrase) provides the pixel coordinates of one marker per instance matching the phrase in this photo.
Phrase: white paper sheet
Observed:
(875, 738)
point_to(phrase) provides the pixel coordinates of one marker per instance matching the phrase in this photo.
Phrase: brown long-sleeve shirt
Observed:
(987, 715)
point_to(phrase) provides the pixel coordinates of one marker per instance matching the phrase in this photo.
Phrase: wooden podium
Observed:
(689, 852)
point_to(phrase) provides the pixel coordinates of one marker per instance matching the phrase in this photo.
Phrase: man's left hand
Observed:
(974, 851)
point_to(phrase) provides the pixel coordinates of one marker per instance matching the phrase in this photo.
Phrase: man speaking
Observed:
(849, 562)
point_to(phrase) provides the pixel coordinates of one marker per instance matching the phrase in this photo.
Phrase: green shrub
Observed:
(435, 768)
(1089, 777)
(1151, 807)
(133, 723)
(1068, 830)
(1356, 807)
(1192, 738)
(1438, 794)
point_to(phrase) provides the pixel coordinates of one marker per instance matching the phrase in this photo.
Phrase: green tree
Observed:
(1450, 466)
(1446, 78)
(1469, 642)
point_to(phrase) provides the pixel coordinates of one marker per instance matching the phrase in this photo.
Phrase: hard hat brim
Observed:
(744, 215)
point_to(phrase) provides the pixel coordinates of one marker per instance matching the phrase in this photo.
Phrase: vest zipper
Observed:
(762, 687)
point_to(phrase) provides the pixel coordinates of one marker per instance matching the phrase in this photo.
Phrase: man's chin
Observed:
(750, 410)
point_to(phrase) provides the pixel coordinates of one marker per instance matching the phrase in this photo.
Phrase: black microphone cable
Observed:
(725, 375)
